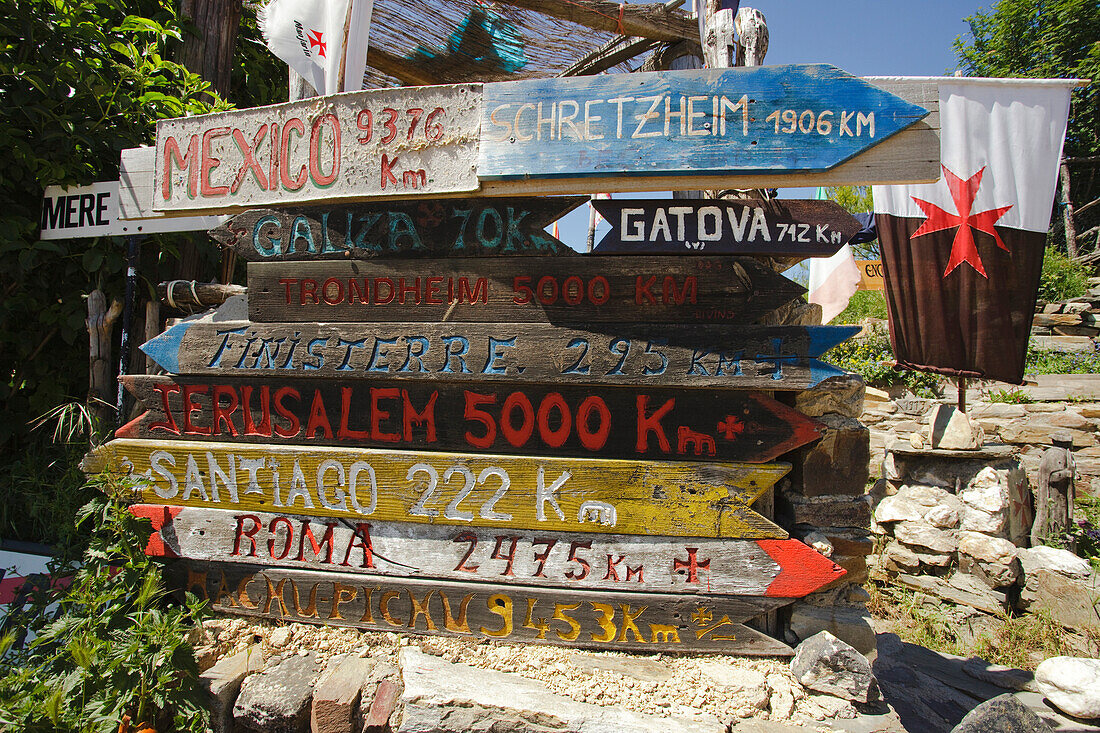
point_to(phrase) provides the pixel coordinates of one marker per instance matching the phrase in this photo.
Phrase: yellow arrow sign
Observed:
(562, 494)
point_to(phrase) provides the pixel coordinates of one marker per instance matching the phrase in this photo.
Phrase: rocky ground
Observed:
(506, 688)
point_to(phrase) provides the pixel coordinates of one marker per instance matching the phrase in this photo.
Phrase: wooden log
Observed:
(188, 295)
(592, 289)
(760, 568)
(612, 53)
(101, 379)
(648, 21)
(468, 227)
(728, 226)
(457, 489)
(595, 620)
(738, 357)
(605, 422)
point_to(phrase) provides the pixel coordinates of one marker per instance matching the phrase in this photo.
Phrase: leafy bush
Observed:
(1009, 396)
(1062, 277)
(864, 304)
(115, 646)
(42, 489)
(872, 359)
(1061, 362)
(1085, 532)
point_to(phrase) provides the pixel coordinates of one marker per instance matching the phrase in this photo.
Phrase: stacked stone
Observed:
(1027, 428)
(1069, 324)
(956, 515)
(825, 505)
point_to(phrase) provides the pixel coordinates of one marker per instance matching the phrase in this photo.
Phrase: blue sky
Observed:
(863, 37)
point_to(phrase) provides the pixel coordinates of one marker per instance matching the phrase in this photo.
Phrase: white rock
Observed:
(819, 542)
(898, 508)
(1059, 561)
(280, 637)
(1072, 684)
(748, 684)
(922, 534)
(987, 549)
(987, 491)
(976, 520)
(943, 517)
(927, 496)
(950, 429)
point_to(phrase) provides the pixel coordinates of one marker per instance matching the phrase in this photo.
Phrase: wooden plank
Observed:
(457, 489)
(688, 122)
(789, 228)
(474, 227)
(756, 568)
(648, 21)
(93, 211)
(870, 275)
(910, 156)
(594, 289)
(605, 422)
(382, 142)
(737, 357)
(596, 620)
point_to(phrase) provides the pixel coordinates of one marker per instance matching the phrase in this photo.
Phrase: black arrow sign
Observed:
(793, 227)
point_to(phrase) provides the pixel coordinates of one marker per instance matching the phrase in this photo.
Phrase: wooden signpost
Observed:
(738, 357)
(684, 123)
(674, 130)
(563, 494)
(768, 568)
(597, 620)
(428, 228)
(378, 143)
(870, 275)
(776, 227)
(607, 422)
(518, 289)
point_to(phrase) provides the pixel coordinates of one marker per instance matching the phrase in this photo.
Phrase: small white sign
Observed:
(92, 211)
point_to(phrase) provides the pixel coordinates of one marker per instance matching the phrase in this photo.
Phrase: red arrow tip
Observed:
(130, 429)
(802, 570)
(160, 516)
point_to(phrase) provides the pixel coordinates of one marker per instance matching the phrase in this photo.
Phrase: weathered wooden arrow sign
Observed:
(746, 119)
(565, 494)
(427, 228)
(738, 357)
(598, 620)
(765, 568)
(782, 227)
(720, 128)
(661, 289)
(606, 422)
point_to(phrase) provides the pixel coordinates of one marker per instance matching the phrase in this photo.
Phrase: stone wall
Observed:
(824, 503)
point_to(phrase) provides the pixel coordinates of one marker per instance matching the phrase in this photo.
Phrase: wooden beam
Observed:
(405, 71)
(610, 54)
(647, 21)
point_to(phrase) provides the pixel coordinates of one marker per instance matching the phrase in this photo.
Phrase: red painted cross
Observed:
(731, 427)
(691, 565)
(316, 39)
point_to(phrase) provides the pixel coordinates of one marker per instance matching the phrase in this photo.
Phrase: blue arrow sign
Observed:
(765, 119)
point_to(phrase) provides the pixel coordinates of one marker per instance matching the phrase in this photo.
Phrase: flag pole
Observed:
(962, 394)
(344, 51)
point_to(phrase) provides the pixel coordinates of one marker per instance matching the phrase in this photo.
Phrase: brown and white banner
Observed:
(962, 256)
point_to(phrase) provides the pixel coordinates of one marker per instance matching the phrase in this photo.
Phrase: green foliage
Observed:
(872, 359)
(864, 304)
(1061, 362)
(115, 648)
(1010, 396)
(1085, 531)
(43, 489)
(856, 199)
(1062, 277)
(1042, 38)
(81, 80)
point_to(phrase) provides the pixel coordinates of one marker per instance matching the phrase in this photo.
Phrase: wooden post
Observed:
(133, 245)
(100, 323)
(962, 394)
(1067, 210)
(152, 330)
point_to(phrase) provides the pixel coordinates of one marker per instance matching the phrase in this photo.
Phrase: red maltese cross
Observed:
(315, 40)
(963, 248)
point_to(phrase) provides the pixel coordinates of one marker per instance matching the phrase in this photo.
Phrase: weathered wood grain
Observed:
(736, 357)
(594, 289)
(379, 143)
(687, 122)
(597, 620)
(763, 568)
(779, 227)
(566, 494)
(604, 422)
(426, 228)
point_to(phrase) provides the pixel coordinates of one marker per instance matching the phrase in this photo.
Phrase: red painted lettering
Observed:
(480, 286)
(554, 438)
(209, 163)
(652, 424)
(593, 439)
(425, 417)
(377, 414)
(169, 423)
(642, 292)
(291, 184)
(249, 163)
(345, 432)
(289, 538)
(362, 534)
(189, 406)
(318, 418)
(249, 533)
(250, 428)
(308, 289)
(387, 171)
(688, 292)
(315, 137)
(188, 161)
(287, 414)
(218, 414)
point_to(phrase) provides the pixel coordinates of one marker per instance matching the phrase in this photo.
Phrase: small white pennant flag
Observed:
(309, 36)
